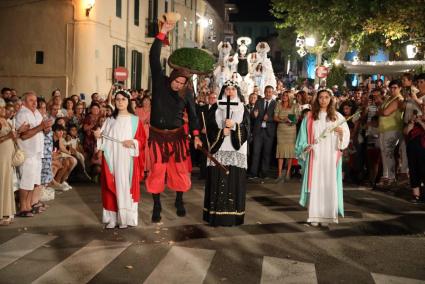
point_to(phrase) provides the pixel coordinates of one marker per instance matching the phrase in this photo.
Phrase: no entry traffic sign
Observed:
(120, 74)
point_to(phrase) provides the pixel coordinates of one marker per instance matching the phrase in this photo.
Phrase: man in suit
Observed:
(252, 99)
(206, 113)
(264, 132)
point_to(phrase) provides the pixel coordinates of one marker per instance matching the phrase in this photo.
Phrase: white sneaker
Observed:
(63, 187)
(67, 185)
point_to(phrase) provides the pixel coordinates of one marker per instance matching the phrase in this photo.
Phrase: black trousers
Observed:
(416, 159)
(261, 154)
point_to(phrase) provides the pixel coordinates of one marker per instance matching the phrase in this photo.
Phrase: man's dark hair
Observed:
(420, 76)
(395, 82)
(268, 87)
(5, 89)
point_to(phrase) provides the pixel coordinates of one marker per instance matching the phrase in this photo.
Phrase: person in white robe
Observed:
(122, 141)
(322, 137)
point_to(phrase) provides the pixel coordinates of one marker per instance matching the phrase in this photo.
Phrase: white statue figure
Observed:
(224, 49)
(262, 49)
(259, 78)
(231, 63)
(247, 87)
(221, 75)
(252, 62)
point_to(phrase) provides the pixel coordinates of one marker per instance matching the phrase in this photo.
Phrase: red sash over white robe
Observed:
(108, 183)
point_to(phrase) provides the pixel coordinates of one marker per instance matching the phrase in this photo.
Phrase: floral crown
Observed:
(231, 83)
(326, 90)
(123, 92)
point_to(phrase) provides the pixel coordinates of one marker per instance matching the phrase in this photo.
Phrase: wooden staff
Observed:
(214, 160)
(205, 126)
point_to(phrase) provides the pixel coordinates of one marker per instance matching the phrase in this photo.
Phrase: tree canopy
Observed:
(361, 24)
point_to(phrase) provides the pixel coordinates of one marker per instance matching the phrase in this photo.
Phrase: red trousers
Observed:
(174, 174)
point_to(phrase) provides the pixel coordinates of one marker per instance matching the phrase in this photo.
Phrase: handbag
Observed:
(18, 156)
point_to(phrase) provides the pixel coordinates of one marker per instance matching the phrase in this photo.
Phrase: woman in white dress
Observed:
(322, 137)
(122, 139)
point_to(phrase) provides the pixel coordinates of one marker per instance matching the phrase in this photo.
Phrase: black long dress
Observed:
(224, 201)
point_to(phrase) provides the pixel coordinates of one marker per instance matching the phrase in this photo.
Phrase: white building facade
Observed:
(74, 45)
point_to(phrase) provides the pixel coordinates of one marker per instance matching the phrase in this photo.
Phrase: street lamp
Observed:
(411, 51)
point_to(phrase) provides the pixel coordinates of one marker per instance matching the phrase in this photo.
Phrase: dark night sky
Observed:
(252, 10)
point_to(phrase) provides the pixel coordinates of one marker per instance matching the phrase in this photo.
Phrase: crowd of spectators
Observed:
(56, 137)
(387, 145)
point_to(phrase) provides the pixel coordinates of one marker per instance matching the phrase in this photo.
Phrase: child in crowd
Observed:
(72, 143)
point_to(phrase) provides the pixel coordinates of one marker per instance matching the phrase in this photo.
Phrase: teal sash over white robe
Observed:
(318, 173)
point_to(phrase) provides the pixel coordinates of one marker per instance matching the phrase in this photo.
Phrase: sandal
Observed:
(37, 209)
(25, 214)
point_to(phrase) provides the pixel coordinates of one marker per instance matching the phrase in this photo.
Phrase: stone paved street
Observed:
(381, 240)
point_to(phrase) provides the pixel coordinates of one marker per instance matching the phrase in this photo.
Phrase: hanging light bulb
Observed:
(331, 42)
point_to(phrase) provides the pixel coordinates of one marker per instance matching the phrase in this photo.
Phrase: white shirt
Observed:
(264, 123)
(33, 146)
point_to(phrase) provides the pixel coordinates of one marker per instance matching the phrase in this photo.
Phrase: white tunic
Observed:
(323, 206)
(119, 158)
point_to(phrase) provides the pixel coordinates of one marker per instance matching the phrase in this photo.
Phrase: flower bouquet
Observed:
(329, 130)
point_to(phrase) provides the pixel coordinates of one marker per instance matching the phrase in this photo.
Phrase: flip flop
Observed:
(25, 214)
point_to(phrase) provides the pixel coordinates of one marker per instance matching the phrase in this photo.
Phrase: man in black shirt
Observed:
(167, 138)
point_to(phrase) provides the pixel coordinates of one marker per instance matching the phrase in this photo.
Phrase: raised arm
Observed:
(155, 51)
